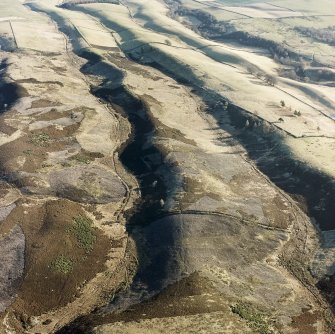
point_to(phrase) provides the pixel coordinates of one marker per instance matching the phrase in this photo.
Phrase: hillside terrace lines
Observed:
(283, 91)
(139, 28)
(315, 108)
(93, 35)
(257, 10)
(11, 18)
(172, 46)
(116, 32)
(216, 6)
(23, 32)
(264, 10)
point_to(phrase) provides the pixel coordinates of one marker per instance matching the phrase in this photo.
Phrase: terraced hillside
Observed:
(165, 168)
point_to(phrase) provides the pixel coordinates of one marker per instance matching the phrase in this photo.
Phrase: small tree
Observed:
(297, 113)
(282, 103)
(270, 80)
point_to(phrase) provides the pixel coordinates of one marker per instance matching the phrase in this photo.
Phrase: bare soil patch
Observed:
(11, 265)
(43, 103)
(5, 128)
(305, 322)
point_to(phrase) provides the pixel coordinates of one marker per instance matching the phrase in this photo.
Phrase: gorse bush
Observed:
(255, 319)
(40, 139)
(62, 264)
(83, 230)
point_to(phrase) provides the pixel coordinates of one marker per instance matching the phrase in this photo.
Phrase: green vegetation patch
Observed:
(83, 230)
(82, 159)
(62, 264)
(40, 139)
(255, 319)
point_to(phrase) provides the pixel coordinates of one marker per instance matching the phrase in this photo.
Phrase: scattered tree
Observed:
(270, 80)
(297, 113)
